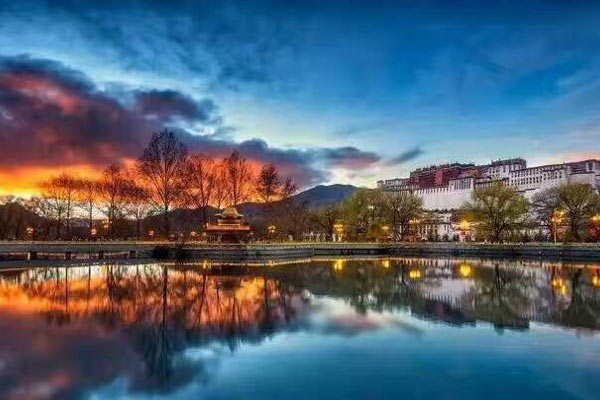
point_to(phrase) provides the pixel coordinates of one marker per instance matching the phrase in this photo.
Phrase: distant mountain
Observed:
(324, 195)
(317, 197)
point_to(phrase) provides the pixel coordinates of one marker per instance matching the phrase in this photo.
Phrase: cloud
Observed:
(53, 116)
(167, 104)
(349, 157)
(405, 157)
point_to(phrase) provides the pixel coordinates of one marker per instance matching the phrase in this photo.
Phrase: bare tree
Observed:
(114, 189)
(88, 193)
(268, 183)
(201, 182)
(238, 178)
(162, 166)
(220, 191)
(270, 186)
(138, 206)
(60, 192)
(289, 188)
(42, 207)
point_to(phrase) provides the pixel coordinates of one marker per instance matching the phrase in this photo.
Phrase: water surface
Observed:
(331, 329)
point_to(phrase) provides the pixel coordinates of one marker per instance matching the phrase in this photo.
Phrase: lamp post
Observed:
(30, 232)
(596, 224)
(414, 225)
(339, 230)
(465, 227)
(271, 229)
(385, 229)
(556, 220)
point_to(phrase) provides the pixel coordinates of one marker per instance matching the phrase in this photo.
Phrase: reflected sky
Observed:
(330, 328)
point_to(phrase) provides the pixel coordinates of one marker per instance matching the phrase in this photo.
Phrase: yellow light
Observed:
(193, 233)
(93, 231)
(414, 274)
(338, 227)
(596, 219)
(563, 290)
(596, 281)
(271, 229)
(151, 233)
(465, 270)
(29, 230)
(338, 265)
(464, 225)
(385, 228)
(557, 282)
(385, 263)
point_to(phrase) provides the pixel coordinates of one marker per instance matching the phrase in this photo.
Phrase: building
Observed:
(447, 187)
(231, 227)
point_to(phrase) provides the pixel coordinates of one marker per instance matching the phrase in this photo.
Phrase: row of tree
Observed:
(495, 213)
(165, 177)
(499, 211)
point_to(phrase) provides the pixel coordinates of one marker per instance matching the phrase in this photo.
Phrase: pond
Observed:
(328, 329)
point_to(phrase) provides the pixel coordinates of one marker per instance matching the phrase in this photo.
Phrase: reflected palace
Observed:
(328, 328)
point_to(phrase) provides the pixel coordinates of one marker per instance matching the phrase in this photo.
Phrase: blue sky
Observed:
(337, 91)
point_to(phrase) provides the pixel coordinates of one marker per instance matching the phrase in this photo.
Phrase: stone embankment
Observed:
(287, 251)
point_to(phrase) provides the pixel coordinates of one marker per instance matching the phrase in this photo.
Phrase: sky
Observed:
(329, 91)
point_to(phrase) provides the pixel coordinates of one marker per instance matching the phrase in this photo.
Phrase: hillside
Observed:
(324, 196)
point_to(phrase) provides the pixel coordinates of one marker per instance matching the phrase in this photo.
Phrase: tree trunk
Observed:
(166, 221)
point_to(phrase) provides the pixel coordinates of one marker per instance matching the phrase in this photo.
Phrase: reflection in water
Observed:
(65, 331)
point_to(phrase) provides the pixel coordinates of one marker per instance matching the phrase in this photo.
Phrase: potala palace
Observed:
(447, 187)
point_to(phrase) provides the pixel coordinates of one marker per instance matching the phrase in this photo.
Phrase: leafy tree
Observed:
(544, 205)
(402, 207)
(497, 210)
(326, 218)
(366, 211)
(580, 202)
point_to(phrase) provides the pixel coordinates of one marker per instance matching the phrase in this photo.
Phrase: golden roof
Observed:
(230, 213)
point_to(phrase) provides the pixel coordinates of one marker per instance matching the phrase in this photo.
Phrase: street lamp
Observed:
(151, 233)
(414, 274)
(339, 230)
(29, 231)
(556, 220)
(465, 270)
(414, 228)
(385, 229)
(596, 225)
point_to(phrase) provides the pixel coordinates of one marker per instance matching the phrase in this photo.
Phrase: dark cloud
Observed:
(51, 115)
(349, 157)
(166, 104)
(405, 157)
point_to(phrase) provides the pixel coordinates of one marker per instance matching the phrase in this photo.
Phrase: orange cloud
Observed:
(25, 181)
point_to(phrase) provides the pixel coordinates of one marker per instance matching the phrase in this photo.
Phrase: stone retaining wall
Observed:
(254, 252)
